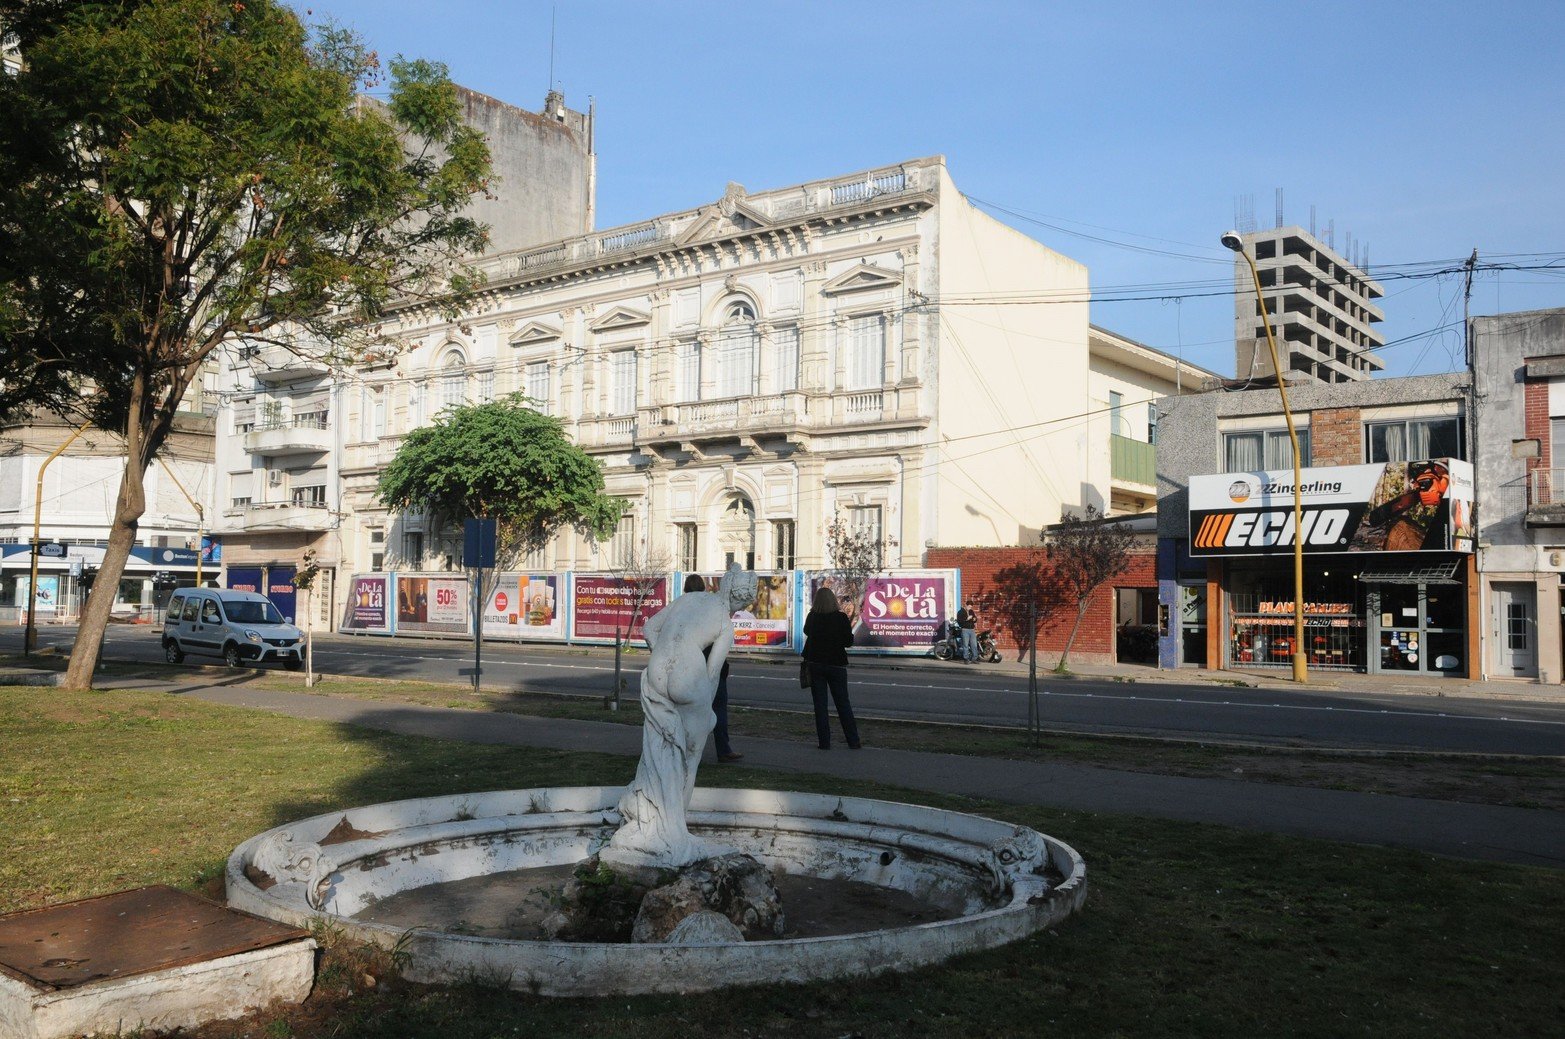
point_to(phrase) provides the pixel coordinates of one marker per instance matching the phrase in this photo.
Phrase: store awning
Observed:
(1433, 573)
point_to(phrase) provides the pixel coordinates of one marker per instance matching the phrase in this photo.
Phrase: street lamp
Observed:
(1231, 240)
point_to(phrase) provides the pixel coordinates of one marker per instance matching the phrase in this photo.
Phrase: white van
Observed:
(237, 626)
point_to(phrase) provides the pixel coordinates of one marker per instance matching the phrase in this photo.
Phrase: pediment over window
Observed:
(864, 276)
(731, 217)
(535, 333)
(620, 317)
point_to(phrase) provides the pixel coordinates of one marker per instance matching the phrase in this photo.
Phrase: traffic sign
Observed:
(51, 550)
(478, 542)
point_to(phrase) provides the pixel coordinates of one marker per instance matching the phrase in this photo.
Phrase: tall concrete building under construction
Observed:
(1321, 307)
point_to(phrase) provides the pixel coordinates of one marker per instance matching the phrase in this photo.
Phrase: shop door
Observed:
(1515, 630)
(1192, 624)
(1399, 631)
(244, 579)
(280, 589)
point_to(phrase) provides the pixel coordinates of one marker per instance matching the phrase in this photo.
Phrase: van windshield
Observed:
(252, 613)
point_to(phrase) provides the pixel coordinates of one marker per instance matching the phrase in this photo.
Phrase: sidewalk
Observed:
(1485, 832)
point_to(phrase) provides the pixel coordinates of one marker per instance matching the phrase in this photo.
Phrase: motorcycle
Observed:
(948, 644)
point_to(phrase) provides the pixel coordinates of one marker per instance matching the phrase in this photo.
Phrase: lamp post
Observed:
(1231, 240)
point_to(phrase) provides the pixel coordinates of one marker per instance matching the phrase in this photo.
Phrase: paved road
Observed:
(932, 691)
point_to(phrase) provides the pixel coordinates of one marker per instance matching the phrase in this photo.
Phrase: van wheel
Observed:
(231, 655)
(172, 653)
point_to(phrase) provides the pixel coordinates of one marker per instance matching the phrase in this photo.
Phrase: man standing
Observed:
(967, 621)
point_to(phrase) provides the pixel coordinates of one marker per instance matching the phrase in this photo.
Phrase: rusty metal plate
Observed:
(128, 933)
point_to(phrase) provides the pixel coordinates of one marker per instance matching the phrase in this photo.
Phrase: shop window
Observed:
(1262, 449)
(1413, 440)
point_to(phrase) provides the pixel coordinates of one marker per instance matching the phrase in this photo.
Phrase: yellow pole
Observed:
(1299, 672)
(30, 638)
(200, 516)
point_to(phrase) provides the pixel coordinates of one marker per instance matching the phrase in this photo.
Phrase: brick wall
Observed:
(1336, 436)
(999, 582)
(1536, 422)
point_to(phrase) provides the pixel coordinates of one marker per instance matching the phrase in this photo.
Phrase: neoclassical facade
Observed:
(870, 347)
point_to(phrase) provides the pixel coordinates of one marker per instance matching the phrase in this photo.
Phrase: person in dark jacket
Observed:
(827, 636)
(725, 750)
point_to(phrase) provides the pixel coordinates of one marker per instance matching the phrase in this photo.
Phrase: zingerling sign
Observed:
(1395, 507)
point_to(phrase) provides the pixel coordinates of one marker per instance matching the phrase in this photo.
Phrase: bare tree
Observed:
(1083, 552)
(640, 572)
(853, 555)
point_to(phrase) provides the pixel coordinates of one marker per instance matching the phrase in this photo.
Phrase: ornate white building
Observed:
(871, 346)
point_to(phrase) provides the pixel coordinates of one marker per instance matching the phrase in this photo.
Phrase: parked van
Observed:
(237, 626)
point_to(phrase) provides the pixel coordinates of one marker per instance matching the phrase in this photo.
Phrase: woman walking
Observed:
(827, 636)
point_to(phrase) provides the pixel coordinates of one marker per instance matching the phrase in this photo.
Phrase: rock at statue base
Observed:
(734, 886)
(705, 928)
(599, 903)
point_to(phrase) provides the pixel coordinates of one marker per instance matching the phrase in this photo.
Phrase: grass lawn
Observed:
(1189, 930)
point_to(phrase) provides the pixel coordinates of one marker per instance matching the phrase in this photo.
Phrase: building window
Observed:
(1414, 440)
(1257, 450)
(736, 344)
(689, 546)
(622, 377)
(866, 352)
(413, 549)
(538, 385)
(782, 544)
(310, 497)
(785, 360)
(622, 548)
(689, 376)
(453, 380)
(485, 387)
(378, 549)
(372, 414)
(1152, 422)
(1117, 423)
(864, 523)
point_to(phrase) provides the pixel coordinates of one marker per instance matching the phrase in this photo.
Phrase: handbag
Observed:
(804, 675)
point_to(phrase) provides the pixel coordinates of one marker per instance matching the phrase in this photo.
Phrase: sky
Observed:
(1124, 135)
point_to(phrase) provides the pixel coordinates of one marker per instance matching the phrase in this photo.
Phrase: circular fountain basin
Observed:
(993, 881)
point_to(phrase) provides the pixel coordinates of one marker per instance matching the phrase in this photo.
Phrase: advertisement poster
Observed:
(1419, 506)
(366, 609)
(899, 612)
(432, 604)
(524, 606)
(46, 603)
(767, 621)
(602, 604)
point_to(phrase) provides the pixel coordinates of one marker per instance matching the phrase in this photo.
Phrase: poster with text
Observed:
(433, 604)
(766, 622)
(366, 608)
(524, 606)
(45, 603)
(892, 613)
(601, 605)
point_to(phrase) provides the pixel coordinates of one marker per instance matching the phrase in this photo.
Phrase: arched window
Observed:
(453, 379)
(736, 531)
(737, 342)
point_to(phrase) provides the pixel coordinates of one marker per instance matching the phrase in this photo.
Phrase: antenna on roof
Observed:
(554, 11)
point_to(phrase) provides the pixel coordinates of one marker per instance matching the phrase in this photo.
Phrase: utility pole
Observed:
(1467, 298)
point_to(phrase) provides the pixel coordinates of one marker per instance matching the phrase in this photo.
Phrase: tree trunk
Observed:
(1081, 611)
(129, 506)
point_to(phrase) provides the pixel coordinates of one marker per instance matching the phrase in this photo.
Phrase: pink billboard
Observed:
(893, 612)
(366, 608)
(601, 605)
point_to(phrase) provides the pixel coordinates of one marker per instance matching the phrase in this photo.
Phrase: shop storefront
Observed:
(67, 573)
(1387, 567)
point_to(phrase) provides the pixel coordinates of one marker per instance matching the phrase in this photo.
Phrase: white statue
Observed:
(690, 639)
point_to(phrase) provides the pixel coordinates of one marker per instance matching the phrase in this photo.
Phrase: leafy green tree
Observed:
(502, 461)
(181, 175)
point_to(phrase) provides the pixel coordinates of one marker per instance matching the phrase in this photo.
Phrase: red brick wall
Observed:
(1537, 422)
(996, 579)
(1336, 436)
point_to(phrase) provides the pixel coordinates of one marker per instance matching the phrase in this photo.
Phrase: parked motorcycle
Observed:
(948, 644)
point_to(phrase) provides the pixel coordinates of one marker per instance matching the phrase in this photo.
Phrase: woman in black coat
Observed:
(827, 636)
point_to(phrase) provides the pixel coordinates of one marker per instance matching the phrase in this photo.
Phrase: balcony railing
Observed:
(1132, 461)
(302, 434)
(863, 407)
(283, 515)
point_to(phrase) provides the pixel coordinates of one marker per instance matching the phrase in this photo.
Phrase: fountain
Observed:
(734, 887)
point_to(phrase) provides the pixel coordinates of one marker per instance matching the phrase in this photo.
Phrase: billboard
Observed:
(901, 612)
(433, 604)
(368, 595)
(45, 603)
(766, 622)
(525, 606)
(1420, 506)
(601, 604)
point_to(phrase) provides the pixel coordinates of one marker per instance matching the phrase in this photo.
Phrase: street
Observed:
(927, 690)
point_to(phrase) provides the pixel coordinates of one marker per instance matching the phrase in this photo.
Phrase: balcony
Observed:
(1546, 498)
(273, 363)
(301, 435)
(733, 418)
(275, 516)
(1132, 463)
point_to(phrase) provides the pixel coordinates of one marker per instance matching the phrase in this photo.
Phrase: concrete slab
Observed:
(149, 958)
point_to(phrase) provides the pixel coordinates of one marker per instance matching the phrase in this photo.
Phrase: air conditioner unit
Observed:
(274, 478)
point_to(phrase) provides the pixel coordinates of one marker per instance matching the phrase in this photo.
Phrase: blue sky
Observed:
(1424, 129)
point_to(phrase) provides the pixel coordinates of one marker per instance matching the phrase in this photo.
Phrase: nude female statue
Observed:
(690, 639)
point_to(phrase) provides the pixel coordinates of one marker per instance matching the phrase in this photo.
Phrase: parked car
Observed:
(237, 626)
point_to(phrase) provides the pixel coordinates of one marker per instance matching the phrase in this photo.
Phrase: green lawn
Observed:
(1189, 930)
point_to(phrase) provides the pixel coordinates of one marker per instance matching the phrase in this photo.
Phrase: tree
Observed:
(1084, 551)
(506, 462)
(177, 176)
(640, 573)
(853, 555)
